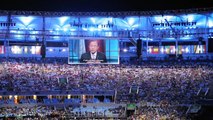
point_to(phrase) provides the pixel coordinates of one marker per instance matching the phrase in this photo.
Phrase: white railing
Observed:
(207, 90)
(199, 91)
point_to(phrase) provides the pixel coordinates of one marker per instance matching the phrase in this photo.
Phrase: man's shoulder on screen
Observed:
(85, 57)
(88, 54)
(101, 56)
(100, 53)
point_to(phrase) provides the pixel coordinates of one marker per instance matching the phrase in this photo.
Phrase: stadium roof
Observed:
(102, 5)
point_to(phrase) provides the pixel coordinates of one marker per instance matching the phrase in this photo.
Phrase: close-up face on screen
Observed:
(93, 51)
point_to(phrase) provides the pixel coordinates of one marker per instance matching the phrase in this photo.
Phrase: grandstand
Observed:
(159, 63)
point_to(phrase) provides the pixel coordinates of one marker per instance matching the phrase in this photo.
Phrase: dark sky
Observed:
(102, 5)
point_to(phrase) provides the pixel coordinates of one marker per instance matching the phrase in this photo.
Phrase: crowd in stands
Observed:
(160, 113)
(170, 83)
(63, 113)
(98, 111)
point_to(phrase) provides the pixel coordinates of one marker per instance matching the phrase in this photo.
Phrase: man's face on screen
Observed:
(93, 46)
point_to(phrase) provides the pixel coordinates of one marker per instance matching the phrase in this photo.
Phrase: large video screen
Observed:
(93, 51)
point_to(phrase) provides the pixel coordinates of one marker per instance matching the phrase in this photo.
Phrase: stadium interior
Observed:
(159, 64)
